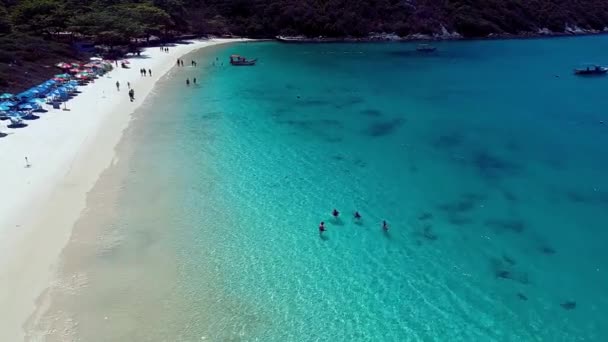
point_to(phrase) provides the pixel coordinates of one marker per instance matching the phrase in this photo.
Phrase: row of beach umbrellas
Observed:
(60, 88)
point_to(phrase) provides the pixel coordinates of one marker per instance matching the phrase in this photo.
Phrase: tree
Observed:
(39, 16)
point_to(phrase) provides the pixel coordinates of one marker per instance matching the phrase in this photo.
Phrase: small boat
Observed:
(425, 48)
(240, 60)
(591, 70)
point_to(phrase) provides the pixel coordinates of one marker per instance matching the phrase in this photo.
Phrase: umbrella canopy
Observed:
(6, 96)
(91, 65)
(26, 94)
(8, 103)
(4, 108)
(96, 58)
(75, 65)
(60, 76)
(74, 70)
(37, 100)
(26, 106)
(63, 65)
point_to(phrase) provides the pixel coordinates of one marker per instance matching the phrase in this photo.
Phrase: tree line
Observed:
(118, 21)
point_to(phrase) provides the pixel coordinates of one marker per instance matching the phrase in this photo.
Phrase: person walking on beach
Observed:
(27, 163)
(117, 85)
(187, 82)
(178, 62)
(128, 85)
(144, 70)
(194, 80)
(150, 72)
(131, 95)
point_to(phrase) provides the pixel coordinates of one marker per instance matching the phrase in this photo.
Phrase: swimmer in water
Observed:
(322, 227)
(385, 226)
(357, 215)
(336, 213)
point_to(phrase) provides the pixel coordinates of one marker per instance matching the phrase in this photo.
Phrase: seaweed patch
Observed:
(568, 305)
(383, 128)
(514, 225)
(490, 166)
(425, 216)
(547, 250)
(450, 140)
(371, 112)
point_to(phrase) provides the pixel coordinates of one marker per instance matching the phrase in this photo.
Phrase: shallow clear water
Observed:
(488, 160)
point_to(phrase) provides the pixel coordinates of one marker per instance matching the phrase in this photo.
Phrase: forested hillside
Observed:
(34, 32)
(113, 20)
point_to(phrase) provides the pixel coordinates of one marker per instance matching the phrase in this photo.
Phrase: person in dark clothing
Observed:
(132, 95)
(188, 82)
(150, 72)
(194, 80)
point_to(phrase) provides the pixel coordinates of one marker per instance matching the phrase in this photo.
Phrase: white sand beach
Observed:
(67, 150)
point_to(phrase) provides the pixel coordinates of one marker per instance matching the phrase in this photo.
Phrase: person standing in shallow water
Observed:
(335, 213)
(188, 82)
(194, 80)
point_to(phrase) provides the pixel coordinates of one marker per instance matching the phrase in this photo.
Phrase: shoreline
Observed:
(68, 151)
(428, 38)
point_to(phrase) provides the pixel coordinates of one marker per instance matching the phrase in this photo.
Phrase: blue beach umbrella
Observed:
(26, 106)
(4, 108)
(6, 96)
(8, 103)
(36, 100)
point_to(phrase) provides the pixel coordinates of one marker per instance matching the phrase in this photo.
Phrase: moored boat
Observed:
(591, 70)
(241, 61)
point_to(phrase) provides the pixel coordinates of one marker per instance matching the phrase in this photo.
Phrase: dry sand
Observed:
(67, 150)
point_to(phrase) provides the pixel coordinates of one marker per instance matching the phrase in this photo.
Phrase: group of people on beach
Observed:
(188, 81)
(164, 49)
(145, 73)
(180, 63)
(131, 91)
(335, 213)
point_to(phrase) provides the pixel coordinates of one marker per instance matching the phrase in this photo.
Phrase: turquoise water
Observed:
(487, 159)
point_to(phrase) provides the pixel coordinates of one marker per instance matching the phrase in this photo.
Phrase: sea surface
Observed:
(487, 159)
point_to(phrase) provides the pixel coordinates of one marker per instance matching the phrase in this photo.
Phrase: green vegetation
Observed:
(116, 22)
(32, 31)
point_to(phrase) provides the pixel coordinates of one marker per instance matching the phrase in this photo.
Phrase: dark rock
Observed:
(521, 296)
